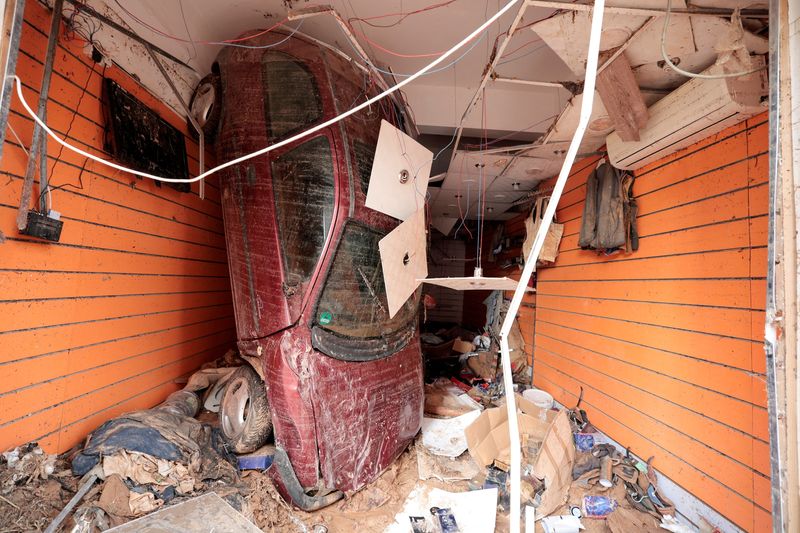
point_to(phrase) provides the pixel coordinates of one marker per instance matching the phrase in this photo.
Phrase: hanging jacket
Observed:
(609, 212)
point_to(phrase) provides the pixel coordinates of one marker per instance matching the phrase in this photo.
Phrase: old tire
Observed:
(206, 106)
(244, 414)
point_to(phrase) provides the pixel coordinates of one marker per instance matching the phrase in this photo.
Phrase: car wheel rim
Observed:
(236, 408)
(203, 103)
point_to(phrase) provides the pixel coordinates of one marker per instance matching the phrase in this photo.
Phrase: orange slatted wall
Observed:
(135, 295)
(667, 341)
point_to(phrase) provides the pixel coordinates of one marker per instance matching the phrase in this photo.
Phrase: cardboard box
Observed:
(488, 441)
(463, 346)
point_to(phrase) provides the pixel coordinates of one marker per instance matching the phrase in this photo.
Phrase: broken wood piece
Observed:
(621, 95)
(86, 483)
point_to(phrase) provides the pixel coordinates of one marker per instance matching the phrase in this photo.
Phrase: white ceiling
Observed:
(551, 50)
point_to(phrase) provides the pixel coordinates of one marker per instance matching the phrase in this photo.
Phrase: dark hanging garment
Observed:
(609, 212)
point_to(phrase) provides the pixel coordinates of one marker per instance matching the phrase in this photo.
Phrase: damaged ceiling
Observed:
(528, 110)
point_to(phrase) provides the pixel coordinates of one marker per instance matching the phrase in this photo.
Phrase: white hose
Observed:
(686, 73)
(530, 264)
(277, 145)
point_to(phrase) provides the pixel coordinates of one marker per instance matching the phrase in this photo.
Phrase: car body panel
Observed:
(340, 422)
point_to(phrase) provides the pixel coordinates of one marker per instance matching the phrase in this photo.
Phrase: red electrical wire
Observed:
(392, 52)
(402, 15)
(515, 50)
(181, 39)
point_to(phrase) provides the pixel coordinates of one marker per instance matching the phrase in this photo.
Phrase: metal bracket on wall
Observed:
(39, 142)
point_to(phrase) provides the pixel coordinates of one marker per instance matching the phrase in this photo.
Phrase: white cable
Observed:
(530, 264)
(277, 145)
(686, 72)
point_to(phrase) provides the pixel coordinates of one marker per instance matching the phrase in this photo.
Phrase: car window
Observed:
(303, 184)
(291, 96)
(353, 301)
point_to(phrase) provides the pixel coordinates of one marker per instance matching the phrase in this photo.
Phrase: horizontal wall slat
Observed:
(736, 383)
(667, 341)
(22, 344)
(45, 396)
(34, 285)
(31, 371)
(664, 406)
(730, 504)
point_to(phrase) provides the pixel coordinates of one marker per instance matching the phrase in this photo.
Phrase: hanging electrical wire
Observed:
(433, 64)
(225, 42)
(686, 73)
(402, 15)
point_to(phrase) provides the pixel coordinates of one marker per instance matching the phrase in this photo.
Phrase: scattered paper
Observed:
(474, 511)
(445, 436)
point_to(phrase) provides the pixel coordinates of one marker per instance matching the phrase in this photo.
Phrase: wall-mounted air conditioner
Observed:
(697, 109)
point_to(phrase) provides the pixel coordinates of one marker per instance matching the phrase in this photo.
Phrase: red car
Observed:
(344, 391)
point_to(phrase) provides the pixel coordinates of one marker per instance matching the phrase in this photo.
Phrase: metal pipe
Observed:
(530, 264)
(10, 58)
(189, 116)
(529, 82)
(773, 348)
(644, 12)
(38, 143)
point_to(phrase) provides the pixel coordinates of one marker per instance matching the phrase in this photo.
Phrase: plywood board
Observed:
(473, 283)
(208, 512)
(404, 260)
(399, 179)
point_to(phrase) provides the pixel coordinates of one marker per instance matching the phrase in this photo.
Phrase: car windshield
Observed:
(353, 302)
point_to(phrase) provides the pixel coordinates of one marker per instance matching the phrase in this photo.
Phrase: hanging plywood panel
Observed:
(404, 260)
(399, 178)
(474, 283)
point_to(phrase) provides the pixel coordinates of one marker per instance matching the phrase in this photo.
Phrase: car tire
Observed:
(244, 413)
(206, 107)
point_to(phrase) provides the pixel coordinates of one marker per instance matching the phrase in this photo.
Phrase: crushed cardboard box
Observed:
(488, 443)
(463, 346)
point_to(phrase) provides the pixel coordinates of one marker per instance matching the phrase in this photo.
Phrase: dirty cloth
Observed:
(609, 212)
(145, 469)
(118, 500)
(162, 435)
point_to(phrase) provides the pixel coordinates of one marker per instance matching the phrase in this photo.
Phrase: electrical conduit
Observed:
(530, 264)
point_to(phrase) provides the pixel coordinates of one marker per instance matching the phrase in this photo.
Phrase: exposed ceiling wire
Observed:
(433, 64)
(686, 73)
(433, 71)
(225, 42)
(403, 16)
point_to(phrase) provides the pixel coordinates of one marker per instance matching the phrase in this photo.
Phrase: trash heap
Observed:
(572, 477)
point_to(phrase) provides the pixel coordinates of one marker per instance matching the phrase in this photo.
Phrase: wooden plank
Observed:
(622, 98)
(716, 349)
(36, 285)
(715, 494)
(723, 264)
(80, 233)
(736, 384)
(719, 292)
(23, 344)
(46, 395)
(48, 313)
(727, 322)
(72, 360)
(663, 400)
